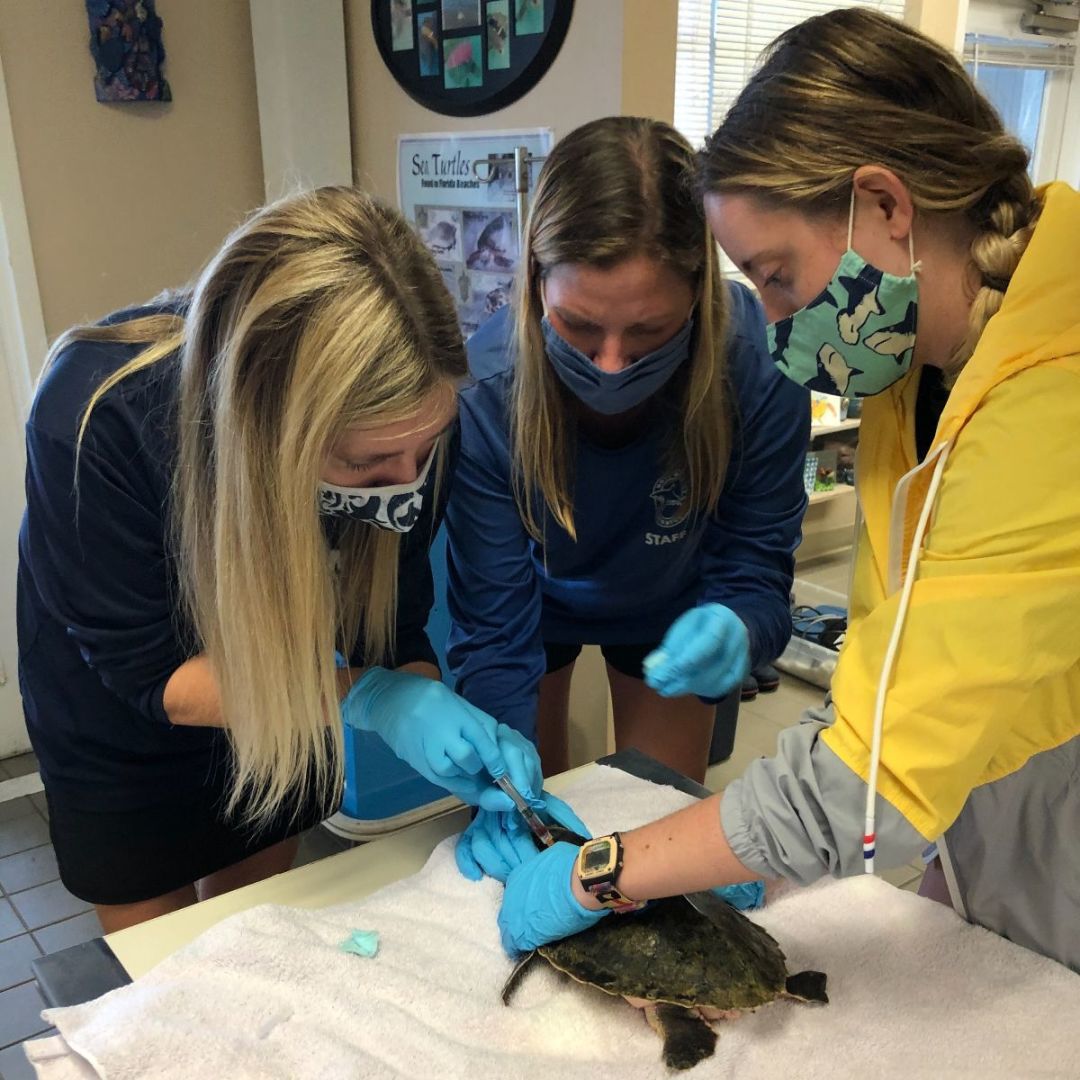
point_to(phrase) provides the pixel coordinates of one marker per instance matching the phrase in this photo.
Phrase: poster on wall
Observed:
(465, 213)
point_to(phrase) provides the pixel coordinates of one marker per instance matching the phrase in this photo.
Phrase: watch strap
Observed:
(606, 890)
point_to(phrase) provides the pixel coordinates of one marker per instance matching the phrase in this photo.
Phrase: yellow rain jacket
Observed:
(981, 735)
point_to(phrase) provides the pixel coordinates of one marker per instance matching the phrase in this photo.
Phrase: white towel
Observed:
(914, 992)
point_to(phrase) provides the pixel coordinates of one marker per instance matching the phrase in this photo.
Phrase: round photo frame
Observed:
(469, 57)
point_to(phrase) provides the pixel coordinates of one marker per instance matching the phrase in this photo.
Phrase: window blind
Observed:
(719, 42)
(999, 52)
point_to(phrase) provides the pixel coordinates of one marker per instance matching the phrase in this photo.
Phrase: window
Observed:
(1030, 85)
(719, 42)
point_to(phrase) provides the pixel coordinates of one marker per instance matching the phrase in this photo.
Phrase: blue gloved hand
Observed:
(745, 896)
(706, 651)
(497, 842)
(539, 905)
(442, 736)
(522, 763)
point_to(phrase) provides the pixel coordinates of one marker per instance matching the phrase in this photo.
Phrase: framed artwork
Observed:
(469, 57)
(125, 41)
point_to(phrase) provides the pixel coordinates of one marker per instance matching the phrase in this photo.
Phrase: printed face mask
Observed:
(395, 507)
(856, 338)
(611, 392)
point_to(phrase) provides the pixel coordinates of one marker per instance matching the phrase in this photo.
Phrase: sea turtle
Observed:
(685, 965)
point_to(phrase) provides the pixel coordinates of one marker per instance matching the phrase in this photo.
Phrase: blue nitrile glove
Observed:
(442, 736)
(522, 762)
(745, 896)
(538, 904)
(706, 651)
(497, 842)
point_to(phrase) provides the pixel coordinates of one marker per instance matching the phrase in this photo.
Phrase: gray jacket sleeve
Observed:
(799, 815)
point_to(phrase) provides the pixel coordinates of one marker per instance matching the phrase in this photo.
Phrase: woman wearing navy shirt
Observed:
(631, 462)
(224, 488)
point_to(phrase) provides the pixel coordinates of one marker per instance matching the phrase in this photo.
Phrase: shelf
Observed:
(817, 430)
(824, 496)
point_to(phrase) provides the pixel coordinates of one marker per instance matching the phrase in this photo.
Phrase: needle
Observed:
(532, 819)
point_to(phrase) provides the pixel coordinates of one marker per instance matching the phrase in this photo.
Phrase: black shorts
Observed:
(625, 659)
(124, 856)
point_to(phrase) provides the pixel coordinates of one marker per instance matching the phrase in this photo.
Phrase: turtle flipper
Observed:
(808, 986)
(688, 1039)
(516, 976)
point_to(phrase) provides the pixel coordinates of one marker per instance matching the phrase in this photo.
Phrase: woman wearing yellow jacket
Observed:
(871, 194)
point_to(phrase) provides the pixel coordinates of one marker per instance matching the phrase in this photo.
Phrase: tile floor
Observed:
(35, 910)
(39, 916)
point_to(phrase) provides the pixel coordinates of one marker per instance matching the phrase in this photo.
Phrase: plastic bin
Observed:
(383, 794)
(804, 659)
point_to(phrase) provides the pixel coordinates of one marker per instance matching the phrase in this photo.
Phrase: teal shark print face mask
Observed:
(857, 336)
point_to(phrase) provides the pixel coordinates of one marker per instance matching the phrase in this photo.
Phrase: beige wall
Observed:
(942, 20)
(650, 31)
(615, 60)
(124, 200)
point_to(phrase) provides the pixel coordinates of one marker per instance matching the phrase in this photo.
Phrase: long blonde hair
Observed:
(320, 313)
(612, 189)
(855, 87)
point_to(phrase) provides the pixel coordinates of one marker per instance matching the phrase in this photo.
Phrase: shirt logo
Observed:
(669, 500)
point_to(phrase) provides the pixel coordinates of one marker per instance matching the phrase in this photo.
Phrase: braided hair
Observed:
(854, 87)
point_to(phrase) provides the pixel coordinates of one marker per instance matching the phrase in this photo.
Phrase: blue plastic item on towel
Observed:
(363, 943)
(745, 896)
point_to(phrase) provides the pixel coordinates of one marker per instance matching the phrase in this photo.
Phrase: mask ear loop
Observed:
(915, 266)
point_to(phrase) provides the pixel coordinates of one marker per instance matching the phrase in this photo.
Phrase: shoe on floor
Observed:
(749, 688)
(766, 677)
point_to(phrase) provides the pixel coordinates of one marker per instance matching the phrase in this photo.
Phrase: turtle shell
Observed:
(672, 953)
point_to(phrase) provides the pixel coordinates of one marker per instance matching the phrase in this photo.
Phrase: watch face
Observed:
(596, 858)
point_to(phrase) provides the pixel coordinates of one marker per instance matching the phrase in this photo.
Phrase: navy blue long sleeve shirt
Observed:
(639, 561)
(99, 626)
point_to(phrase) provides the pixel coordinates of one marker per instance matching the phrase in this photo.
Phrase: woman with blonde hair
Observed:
(223, 489)
(631, 468)
(871, 193)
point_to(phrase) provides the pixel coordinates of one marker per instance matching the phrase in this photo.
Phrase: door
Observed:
(13, 739)
(22, 347)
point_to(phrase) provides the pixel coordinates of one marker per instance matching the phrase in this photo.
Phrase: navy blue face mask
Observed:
(611, 392)
(394, 507)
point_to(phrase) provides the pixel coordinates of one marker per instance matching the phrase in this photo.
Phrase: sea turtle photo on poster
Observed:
(487, 294)
(489, 239)
(440, 230)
